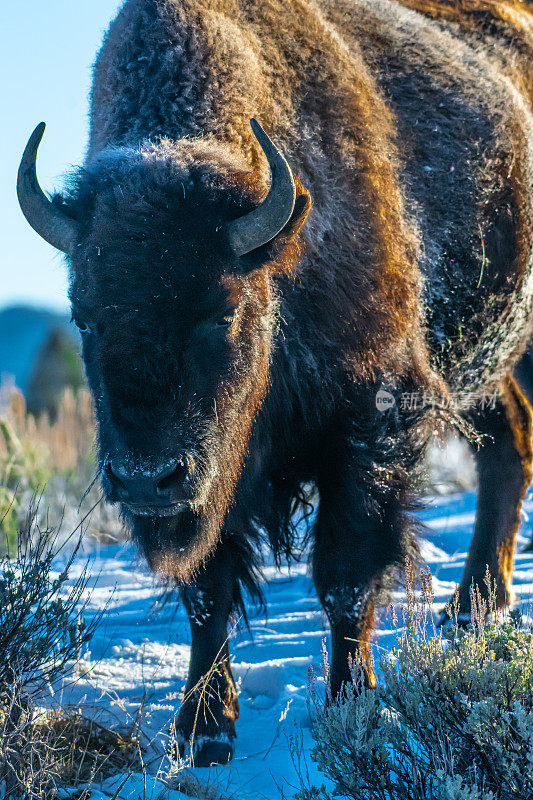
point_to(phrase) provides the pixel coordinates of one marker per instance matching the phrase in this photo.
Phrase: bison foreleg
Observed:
(205, 727)
(353, 553)
(503, 462)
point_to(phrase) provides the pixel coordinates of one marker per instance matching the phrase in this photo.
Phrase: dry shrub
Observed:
(41, 615)
(452, 718)
(42, 631)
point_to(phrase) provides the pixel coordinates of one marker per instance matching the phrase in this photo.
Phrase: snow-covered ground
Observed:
(139, 656)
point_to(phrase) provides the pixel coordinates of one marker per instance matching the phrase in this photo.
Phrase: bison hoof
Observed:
(213, 752)
(206, 751)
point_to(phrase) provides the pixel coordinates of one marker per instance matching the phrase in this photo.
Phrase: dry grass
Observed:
(62, 443)
(82, 750)
(55, 460)
(43, 750)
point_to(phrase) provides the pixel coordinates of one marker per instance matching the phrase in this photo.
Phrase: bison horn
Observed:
(53, 225)
(263, 223)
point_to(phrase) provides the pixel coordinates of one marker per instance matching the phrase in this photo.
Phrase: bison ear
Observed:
(283, 250)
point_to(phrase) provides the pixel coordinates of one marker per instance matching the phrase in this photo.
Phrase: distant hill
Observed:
(24, 331)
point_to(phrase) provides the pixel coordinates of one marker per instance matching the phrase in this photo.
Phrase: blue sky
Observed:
(46, 53)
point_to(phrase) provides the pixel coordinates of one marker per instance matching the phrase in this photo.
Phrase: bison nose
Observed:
(161, 487)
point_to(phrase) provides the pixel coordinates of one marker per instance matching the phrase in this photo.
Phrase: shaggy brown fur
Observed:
(438, 80)
(317, 99)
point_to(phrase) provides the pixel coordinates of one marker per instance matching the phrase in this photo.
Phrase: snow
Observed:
(139, 656)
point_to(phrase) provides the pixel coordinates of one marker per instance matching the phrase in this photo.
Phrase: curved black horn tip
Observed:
(260, 134)
(37, 135)
(55, 227)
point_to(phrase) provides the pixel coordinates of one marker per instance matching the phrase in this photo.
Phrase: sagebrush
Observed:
(451, 719)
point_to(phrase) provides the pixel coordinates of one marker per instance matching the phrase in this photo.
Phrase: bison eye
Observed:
(225, 322)
(80, 325)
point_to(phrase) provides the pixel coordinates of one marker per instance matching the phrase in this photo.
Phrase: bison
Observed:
(272, 320)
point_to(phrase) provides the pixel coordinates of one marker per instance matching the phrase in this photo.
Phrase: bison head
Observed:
(172, 255)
